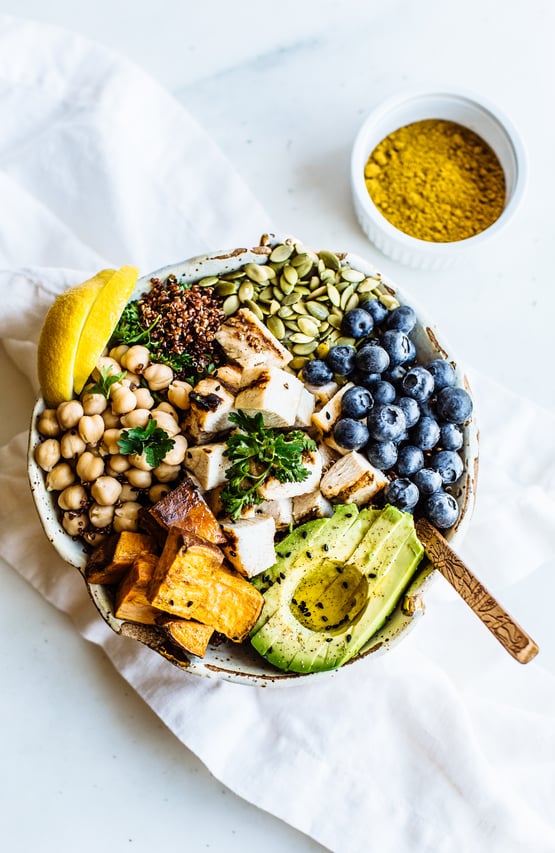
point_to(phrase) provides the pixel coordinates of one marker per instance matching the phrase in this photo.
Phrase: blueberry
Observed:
(402, 493)
(356, 402)
(428, 408)
(451, 437)
(341, 359)
(409, 460)
(425, 434)
(448, 464)
(428, 481)
(376, 308)
(350, 434)
(368, 380)
(442, 509)
(372, 359)
(403, 318)
(394, 374)
(357, 323)
(382, 454)
(397, 346)
(418, 383)
(411, 409)
(412, 353)
(443, 373)
(383, 392)
(317, 372)
(454, 405)
(386, 423)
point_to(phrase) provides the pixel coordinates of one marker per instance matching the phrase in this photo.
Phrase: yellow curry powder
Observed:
(436, 180)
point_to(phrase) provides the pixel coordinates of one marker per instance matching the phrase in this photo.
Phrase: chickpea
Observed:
(167, 473)
(138, 478)
(68, 414)
(166, 422)
(145, 400)
(133, 380)
(91, 428)
(48, 424)
(136, 359)
(126, 516)
(178, 394)
(158, 491)
(111, 421)
(158, 376)
(167, 408)
(117, 464)
(59, 477)
(93, 404)
(139, 460)
(106, 490)
(123, 401)
(101, 515)
(109, 365)
(89, 467)
(73, 498)
(71, 444)
(136, 418)
(110, 441)
(47, 454)
(118, 352)
(128, 493)
(74, 523)
(95, 539)
(176, 455)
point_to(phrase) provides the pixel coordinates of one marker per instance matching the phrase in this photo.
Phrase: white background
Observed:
(282, 88)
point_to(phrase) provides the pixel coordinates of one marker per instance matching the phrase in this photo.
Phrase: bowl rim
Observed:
(74, 552)
(360, 154)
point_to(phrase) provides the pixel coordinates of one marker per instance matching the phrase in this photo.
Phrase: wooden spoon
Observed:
(503, 627)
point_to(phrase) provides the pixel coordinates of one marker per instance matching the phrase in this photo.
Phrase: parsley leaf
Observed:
(107, 379)
(256, 453)
(151, 440)
(129, 329)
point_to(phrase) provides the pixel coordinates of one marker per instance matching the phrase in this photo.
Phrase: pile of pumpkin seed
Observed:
(300, 295)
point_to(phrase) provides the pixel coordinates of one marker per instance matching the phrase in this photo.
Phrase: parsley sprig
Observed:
(256, 453)
(151, 440)
(130, 330)
(105, 382)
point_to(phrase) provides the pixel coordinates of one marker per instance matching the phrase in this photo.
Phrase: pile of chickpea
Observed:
(98, 488)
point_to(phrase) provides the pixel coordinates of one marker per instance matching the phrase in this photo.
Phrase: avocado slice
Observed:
(328, 605)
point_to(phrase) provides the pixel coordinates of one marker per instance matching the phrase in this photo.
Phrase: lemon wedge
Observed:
(60, 336)
(101, 322)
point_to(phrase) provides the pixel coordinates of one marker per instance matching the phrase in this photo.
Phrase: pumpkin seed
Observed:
(254, 308)
(298, 362)
(334, 321)
(317, 310)
(266, 294)
(300, 338)
(276, 327)
(354, 276)
(305, 268)
(328, 277)
(323, 327)
(315, 283)
(231, 305)
(299, 308)
(334, 295)
(352, 302)
(345, 342)
(290, 274)
(281, 253)
(308, 327)
(320, 291)
(291, 324)
(345, 296)
(256, 272)
(274, 306)
(285, 286)
(208, 281)
(285, 311)
(246, 291)
(226, 288)
(291, 298)
(233, 275)
(331, 261)
(304, 349)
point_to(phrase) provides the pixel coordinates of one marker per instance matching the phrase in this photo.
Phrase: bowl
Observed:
(463, 108)
(240, 663)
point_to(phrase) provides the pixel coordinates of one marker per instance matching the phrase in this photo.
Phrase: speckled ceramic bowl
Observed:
(239, 663)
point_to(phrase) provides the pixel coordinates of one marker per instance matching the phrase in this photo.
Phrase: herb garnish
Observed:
(107, 379)
(130, 330)
(151, 440)
(256, 453)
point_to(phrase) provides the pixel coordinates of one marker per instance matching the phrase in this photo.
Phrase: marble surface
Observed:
(282, 89)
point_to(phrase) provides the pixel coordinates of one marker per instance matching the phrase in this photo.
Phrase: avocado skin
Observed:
(379, 548)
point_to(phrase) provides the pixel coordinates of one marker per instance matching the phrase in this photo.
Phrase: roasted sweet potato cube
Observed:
(190, 635)
(190, 581)
(111, 560)
(131, 596)
(183, 506)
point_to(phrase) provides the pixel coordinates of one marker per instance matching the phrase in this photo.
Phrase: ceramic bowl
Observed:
(465, 109)
(239, 663)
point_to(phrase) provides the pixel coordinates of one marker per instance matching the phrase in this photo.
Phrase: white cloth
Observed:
(415, 751)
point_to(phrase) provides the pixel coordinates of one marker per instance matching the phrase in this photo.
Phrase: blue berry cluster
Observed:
(407, 418)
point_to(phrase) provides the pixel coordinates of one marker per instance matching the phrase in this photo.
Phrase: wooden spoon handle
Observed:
(503, 627)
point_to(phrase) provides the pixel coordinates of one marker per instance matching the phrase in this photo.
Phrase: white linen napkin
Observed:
(415, 751)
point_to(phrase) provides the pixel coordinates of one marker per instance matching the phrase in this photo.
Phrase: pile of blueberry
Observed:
(405, 417)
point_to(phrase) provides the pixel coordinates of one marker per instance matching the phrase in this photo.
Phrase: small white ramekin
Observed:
(457, 106)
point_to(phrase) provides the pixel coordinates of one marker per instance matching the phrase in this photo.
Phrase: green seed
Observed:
(254, 308)
(266, 294)
(317, 310)
(274, 306)
(305, 268)
(246, 291)
(290, 274)
(308, 327)
(330, 260)
(315, 283)
(276, 327)
(291, 298)
(334, 321)
(226, 288)
(354, 276)
(352, 302)
(256, 272)
(281, 253)
(231, 305)
(299, 338)
(345, 296)
(233, 275)
(299, 307)
(209, 281)
(304, 349)
(334, 295)
(322, 290)
(345, 342)
(285, 286)
(285, 311)
(298, 362)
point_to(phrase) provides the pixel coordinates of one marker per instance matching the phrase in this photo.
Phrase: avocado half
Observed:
(333, 586)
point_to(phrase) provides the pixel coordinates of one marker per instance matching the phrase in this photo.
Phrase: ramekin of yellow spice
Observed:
(434, 174)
